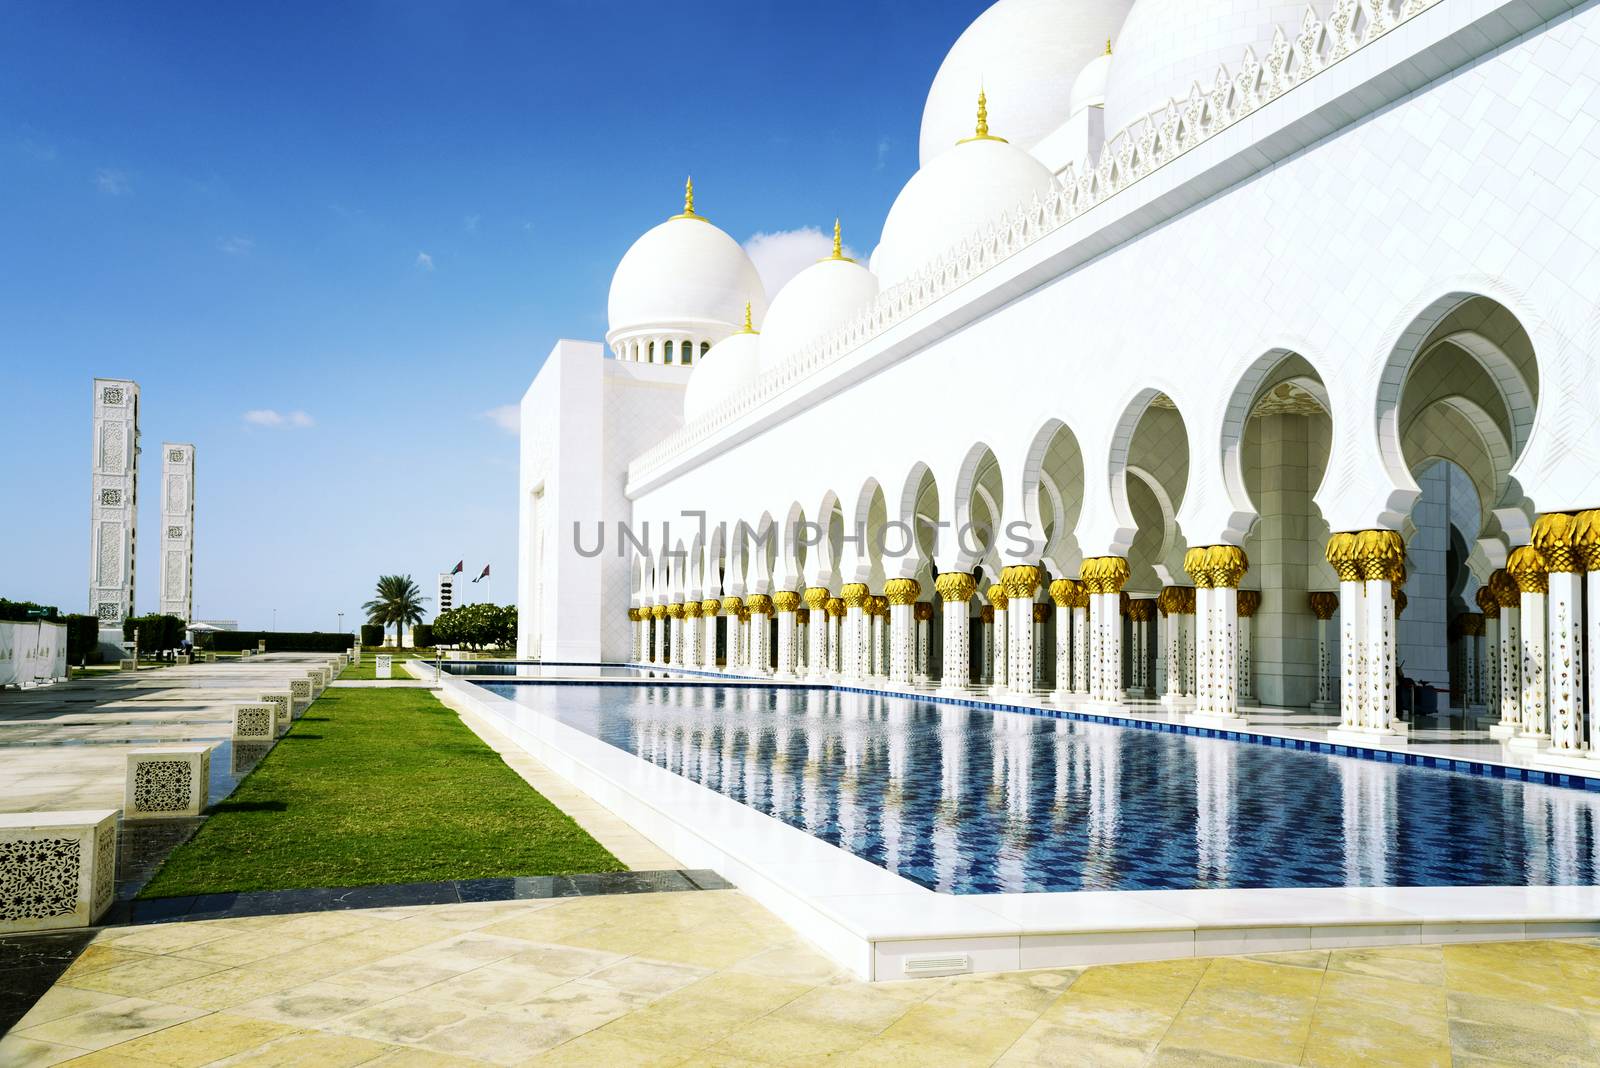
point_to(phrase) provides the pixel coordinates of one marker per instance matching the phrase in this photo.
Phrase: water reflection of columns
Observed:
(1102, 745)
(1214, 789)
(955, 591)
(1368, 788)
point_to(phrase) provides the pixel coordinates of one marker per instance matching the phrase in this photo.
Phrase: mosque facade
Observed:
(1244, 363)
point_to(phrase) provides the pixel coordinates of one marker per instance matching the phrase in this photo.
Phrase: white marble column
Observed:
(985, 674)
(633, 636)
(709, 608)
(675, 630)
(1021, 583)
(1000, 654)
(1216, 570)
(1172, 619)
(1249, 602)
(732, 608)
(1526, 566)
(1324, 603)
(816, 598)
(1564, 645)
(857, 654)
(1080, 641)
(922, 624)
(955, 590)
(835, 641)
(1105, 576)
(1590, 555)
(901, 594)
(878, 628)
(1368, 563)
(658, 654)
(785, 603)
(1064, 593)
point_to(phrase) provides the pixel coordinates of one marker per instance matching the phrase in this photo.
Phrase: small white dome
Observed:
(684, 274)
(817, 301)
(733, 363)
(1168, 45)
(953, 197)
(1089, 90)
(1026, 53)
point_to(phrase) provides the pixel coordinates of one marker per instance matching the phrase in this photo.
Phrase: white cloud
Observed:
(236, 245)
(112, 182)
(270, 417)
(507, 417)
(424, 261)
(782, 255)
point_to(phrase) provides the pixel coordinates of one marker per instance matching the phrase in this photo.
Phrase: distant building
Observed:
(220, 624)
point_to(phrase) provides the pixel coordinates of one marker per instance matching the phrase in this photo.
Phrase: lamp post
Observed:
(341, 622)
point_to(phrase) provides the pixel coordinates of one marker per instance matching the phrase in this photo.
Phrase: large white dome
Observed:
(956, 195)
(1168, 45)
(684, 274)
(1026, 53)
(815, 302)
(733, 363)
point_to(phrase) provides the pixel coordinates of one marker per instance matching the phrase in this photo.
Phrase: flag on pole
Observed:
(484, 575)
(460, 566)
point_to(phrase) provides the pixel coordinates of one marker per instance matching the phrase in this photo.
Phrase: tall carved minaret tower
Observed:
(113, 508)
(177, 530)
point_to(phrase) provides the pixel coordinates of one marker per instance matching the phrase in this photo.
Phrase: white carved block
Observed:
(261, 645)
(244, 654)
(127, 665)
(303, 695)
(385, 667)
(283, 704)
(319, 679)
(167, 783)
(255, 721)
(57, 869)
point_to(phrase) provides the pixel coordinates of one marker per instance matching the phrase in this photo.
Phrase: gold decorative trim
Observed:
(955, 586)
(1526, 567)
(1556, 536)
(786, 600)
(1323, 603)
(855, 594)
(816, 597)
(902, 591)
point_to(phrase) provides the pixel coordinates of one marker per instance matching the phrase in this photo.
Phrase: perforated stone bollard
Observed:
(167, 783)
(319, 680)
(127, 665)
(302, 694)
(282, 702)
(385, 667)
(57, 869)
(255, 721)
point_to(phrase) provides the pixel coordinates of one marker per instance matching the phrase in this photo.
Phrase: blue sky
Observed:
(372, 220)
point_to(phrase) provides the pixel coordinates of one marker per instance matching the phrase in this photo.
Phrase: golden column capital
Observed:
(1021, 581)
(802, 616)
(1586, 539)
(633, 615)
(743, 614)
(1488, 603)
(1195, 566)
(835, 606)
(955, 586)
(1249, 602)
(1041, 611)
(759, 602)
(1400, 602)
(1061, 592)
(1341, 556)
(658, 611)
(1227, 564)
(997, 595)
(880, 605)
(1504, 588)
(1526, 567)
(786, 600)
(902, 591)
(923, 612)
(732, 605)
(816, 597)
(691, 610)
(1381, 555)
(710, 606)
(1556, 536)
(675, 610)
(1104, 574)
(855, 594)
(1323, 603)
(986, 613)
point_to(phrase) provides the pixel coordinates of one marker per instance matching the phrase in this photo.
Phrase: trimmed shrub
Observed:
(422, 635)
(27, 612)
(371, 634)
(316, 641)
(157, 633)
(83, 638)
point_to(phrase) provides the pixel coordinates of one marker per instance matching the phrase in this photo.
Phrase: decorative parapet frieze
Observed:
(1143, 148)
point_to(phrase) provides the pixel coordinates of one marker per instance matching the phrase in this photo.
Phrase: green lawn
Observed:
(368, 668)
(378, 786)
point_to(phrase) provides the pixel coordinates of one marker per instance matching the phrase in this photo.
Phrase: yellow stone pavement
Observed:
(712, 979)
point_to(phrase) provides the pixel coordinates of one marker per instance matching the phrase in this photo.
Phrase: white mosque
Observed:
(1245, 363)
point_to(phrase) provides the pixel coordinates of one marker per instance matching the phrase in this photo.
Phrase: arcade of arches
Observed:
(1477, 606)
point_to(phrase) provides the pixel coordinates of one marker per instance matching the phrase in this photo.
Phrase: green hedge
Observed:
(157, 633)
(371, 634)
(316, 641)
(27, 612)
(422, 635)
(83, 639)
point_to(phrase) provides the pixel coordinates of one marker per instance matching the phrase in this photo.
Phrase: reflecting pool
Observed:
(969, 801)
(552, 670)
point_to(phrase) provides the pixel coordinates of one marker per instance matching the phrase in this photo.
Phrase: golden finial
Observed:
(838, 247)
(982, 133)
(749, 328)
(1108, 46)
(688, 201)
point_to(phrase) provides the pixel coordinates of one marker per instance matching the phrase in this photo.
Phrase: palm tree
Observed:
(399, 601)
